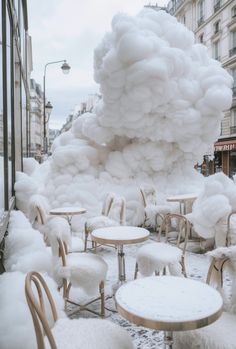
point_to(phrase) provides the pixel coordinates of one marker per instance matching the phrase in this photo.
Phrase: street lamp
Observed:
(47, 108)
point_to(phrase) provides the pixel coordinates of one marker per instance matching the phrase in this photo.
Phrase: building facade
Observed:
(36, 120)
(214, 25)
(15, 68)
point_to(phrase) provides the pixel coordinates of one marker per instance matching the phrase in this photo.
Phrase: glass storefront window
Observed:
(1, 129)
(232, 164)
(24, 120)
(9, 101)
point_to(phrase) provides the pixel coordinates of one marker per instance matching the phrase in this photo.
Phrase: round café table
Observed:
(182, 199)
(169, 303)
(67, 212)
(120, 236)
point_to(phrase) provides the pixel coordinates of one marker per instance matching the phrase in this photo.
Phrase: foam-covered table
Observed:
(120, 236)
(169, 303)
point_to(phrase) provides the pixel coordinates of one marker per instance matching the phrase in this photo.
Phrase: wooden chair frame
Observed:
(37, 308)
(122, 221)
(105, 211)
(182, 237)
(62, 252)
(158, 215)
(228, 234)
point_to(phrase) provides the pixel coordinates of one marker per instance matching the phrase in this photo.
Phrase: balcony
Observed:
(232, 52)
(232, 130)
(217, 6)
(200, 21)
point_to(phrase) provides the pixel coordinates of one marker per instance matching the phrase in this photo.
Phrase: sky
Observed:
(71, 30)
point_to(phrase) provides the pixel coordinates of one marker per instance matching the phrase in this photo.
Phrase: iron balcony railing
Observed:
(200, 21)
(232, 130)
(217, 6)
(232, 52)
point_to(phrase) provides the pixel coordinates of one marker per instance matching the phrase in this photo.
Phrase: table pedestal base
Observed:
(121, 264)
(168, 340)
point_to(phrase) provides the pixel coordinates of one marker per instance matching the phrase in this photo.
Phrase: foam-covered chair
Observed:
(153, 212)
(80, 270)
(42, 221)
(113, 214)
(225, 230)
(162, 257)
(221, 334)
(64, 333)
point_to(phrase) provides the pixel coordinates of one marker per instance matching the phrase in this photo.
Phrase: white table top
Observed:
(182, 197)
(67, 211)
(169, 303)
(120, 235)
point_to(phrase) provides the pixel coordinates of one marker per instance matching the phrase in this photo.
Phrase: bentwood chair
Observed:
(64, 333)
(113, 214)
(80, 270)
(162, 257)
(221, 334)
(153, 213)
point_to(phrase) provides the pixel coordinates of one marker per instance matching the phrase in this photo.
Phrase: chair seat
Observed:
(89, 334)
(100, 222)
(219, 335)
(84, 270)
(156, 256)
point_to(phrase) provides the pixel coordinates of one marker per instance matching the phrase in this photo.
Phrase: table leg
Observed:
(121, 264)
(69, 218)
(168, 340)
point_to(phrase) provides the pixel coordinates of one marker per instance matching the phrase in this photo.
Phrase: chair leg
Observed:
(136, 271)
(86, 232)
(101, 290)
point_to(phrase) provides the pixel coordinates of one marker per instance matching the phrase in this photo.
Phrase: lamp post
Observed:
(47, 108)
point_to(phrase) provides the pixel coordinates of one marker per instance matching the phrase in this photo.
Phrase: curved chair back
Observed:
(36, 303)
(229, 229)
(148, 194)
(107, 204)
(117, 210)
(182, 233)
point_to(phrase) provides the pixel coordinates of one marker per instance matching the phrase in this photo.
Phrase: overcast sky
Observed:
(71, 29)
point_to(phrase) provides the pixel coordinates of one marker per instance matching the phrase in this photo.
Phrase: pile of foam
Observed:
(160, 112)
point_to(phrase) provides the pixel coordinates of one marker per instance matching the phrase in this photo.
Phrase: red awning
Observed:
(225, 145)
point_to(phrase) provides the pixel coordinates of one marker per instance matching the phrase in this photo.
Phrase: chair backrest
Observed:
(183, 227)
(107, 204)
(36, 297)
(230, 228)
(37, 209)
(117, 210)
(62, 252)
(148, 194)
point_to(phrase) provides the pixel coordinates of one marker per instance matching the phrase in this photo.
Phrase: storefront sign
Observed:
(224, 146)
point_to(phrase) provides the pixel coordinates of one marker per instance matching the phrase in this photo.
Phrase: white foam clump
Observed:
(25, 249)
(16, 329)
(214, 203)
(160, 112)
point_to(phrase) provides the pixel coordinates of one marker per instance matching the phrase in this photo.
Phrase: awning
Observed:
(225, 145)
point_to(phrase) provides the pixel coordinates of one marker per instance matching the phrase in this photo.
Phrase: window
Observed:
(233, 73)
(216, 50)
(233, 12)
(216, 5)
(200, 12)
(232, 51)
(9, 80)
(1, 127)
(216, 27)
(201, 38)
(233, 120)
